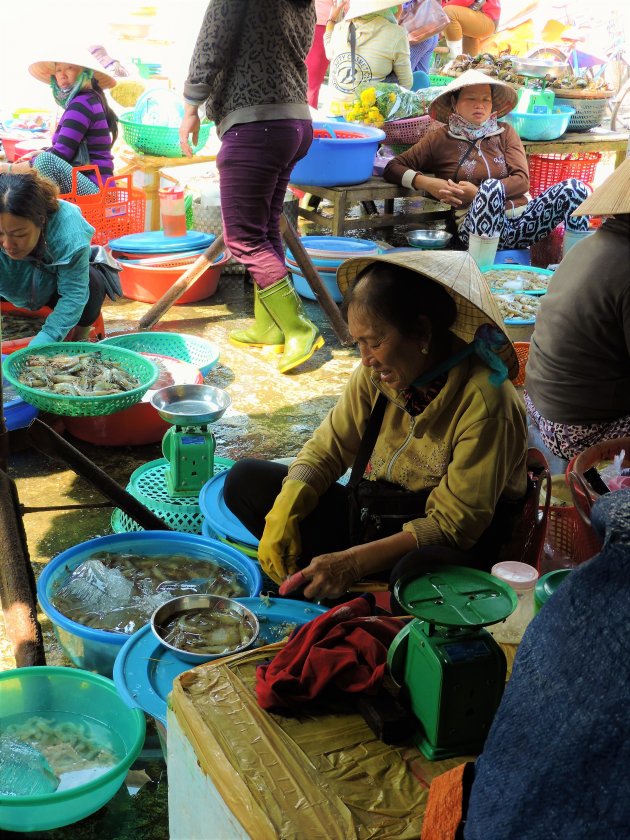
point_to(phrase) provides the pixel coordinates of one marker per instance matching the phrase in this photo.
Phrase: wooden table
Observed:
(374, 189)
(595, 140)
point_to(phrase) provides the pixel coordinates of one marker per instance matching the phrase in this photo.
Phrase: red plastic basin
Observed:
(97, 331)
(140, 423)
(149, 283)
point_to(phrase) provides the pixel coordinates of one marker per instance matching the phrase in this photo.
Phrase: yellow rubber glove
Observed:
(281, 545)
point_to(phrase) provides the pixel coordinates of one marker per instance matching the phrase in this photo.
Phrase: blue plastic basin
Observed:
(96, 650)
(83, 698)
(17, 413)
(337, 156)
(541, 126)
(328, 278)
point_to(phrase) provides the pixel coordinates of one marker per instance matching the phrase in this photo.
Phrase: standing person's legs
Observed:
(316, 65)
(255, 164)
(420, 54)
(251, 159)
(465, 29)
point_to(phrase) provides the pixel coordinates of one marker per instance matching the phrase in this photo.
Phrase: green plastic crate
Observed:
(159, 140)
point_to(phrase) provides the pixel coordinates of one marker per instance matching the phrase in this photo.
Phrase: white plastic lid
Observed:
(520, 576)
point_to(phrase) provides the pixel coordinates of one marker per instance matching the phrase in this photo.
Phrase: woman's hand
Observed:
(190, 125)
(331, 575)
(465, 189)
(438, 188)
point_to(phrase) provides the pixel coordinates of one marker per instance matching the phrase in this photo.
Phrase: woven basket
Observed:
(589, 113)
(160, 140)
(439, 81)
(132, 363)
(187, 348)
(568, 542)
(408, 131)
(522, 354)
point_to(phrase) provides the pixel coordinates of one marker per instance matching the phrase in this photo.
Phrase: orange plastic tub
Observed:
(147, 283)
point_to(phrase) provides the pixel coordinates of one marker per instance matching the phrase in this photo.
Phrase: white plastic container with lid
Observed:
(522, 578)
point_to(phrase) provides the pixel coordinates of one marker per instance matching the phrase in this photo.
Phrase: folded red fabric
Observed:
(343, 649)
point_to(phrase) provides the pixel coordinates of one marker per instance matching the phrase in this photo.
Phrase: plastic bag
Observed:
(423, 19)
(377, 103)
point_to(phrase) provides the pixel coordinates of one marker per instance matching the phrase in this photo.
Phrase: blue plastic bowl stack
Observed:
(327, 253)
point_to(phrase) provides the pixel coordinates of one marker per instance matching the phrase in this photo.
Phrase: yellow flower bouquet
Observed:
(381, 102)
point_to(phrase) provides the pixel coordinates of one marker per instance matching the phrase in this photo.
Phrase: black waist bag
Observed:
(378, 509)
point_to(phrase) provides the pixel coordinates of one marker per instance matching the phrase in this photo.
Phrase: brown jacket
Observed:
(578, 370)
(437, 153)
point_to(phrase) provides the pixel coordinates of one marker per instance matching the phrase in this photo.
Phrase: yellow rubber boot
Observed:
(301, 336)
(264, 332)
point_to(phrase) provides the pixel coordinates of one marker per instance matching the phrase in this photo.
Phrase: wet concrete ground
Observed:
(271, 415)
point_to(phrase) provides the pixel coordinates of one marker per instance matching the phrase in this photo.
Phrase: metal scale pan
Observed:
(191, 405)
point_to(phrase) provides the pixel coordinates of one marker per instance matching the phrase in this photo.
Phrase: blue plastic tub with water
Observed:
(96, 650)
(341, 154)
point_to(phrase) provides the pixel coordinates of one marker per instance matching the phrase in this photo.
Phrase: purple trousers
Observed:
(255, 164)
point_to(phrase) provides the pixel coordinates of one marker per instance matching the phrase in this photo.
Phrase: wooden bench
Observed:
(373, 190)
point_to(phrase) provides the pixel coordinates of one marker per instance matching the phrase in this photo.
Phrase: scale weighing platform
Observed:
(450, 670)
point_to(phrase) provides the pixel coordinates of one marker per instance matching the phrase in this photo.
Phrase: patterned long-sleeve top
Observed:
(84, 119)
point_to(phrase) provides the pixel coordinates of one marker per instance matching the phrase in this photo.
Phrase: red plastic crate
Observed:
(547, 170)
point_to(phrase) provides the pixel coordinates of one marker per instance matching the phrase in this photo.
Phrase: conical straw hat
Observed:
(611, 198)
(43, 70)
(457, 272)
(504, 97)
(358, 8)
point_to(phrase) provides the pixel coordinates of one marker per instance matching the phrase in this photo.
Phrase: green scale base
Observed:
(148, 485)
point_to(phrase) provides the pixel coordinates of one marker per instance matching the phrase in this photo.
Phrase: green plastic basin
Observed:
(81, 697)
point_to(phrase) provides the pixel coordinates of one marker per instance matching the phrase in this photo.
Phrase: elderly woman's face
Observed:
(474, 103)
(18, 236)
(396, 360)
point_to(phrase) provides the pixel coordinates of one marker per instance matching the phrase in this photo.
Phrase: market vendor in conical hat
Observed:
(87, 128)
(451, 446)
(477, 164)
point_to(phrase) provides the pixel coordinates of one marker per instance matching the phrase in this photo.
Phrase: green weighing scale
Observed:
(190, 445)
(450, 670)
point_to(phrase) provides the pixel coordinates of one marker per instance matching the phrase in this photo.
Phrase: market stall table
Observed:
(595, 140)
(372, 190)
(238, 771)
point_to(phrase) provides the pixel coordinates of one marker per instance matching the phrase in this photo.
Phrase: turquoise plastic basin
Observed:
(92, 699)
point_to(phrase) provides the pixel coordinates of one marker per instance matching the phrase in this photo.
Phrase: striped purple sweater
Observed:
(84, 119)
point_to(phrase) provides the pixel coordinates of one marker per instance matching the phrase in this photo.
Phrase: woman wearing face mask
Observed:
(45, 257)
(428, 413)
(478, 165)
(87, 129)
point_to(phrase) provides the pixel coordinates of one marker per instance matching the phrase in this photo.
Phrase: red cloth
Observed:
(344, 648)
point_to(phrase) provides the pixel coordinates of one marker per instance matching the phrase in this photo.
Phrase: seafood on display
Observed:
(117, 592)
(519, 307)
(16, 326)
(212, 631)
(516, 280)
(80, 375)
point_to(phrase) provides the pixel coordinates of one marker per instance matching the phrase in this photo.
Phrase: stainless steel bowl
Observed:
(428, 238)
(538, 68)
(190, 405)
(188, 603)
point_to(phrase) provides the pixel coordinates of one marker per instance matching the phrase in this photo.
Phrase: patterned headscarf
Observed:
(462, 129)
